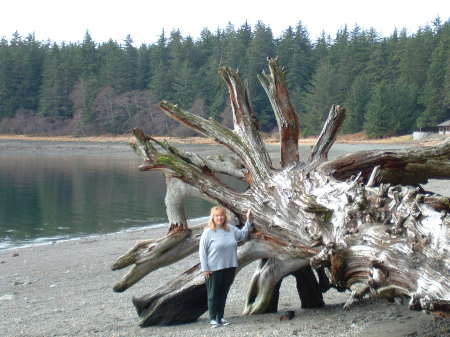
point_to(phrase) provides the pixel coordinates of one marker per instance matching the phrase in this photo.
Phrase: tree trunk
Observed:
(363, 217)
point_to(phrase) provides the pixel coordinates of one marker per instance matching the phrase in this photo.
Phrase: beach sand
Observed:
(65, 289)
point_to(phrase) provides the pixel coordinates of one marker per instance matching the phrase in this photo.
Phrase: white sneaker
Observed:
(214, 324)
(224, 322)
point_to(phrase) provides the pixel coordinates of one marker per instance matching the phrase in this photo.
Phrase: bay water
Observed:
(52, 191)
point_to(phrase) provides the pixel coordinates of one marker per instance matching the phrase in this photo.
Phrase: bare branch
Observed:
(373, 176)
(254, 158)
(150, 255)
(288, 125)
(245, 122)
(201, 177)
(177, 191)
(328, 135)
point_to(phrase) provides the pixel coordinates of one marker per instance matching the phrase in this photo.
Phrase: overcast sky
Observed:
(62, 20)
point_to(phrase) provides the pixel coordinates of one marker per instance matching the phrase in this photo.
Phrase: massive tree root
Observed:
(364, 217)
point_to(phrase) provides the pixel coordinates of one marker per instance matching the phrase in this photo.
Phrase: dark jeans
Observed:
(218, 284)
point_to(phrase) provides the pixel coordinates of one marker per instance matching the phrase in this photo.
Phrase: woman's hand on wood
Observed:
(249, 216)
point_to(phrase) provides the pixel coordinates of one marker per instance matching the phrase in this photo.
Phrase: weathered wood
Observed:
(410, 166)
(184, 299)
(327, 137)
(246, 124)
(150, 255)
(274, 84)
(389, 238)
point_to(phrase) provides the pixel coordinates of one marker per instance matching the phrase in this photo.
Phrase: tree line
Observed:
(390, 85)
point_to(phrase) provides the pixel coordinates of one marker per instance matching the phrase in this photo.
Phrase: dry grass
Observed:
(106, 139)
(268, 138)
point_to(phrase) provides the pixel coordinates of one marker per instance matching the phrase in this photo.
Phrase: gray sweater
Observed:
(218, 249)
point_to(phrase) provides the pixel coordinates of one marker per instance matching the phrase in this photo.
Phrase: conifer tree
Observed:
(111, 59)
(128, 66)
(236, 46)
(183, 83)
(261, 47)
(160, 82)
(211, 87)
(434, 95)
(59, 76)
(143, 71)
(392, 109)
(324, 92)
(357, 102)
(7, 99)
(89, 59)
(33, 59)
(378, 117)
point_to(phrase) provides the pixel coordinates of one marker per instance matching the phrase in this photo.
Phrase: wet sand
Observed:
(65, 289)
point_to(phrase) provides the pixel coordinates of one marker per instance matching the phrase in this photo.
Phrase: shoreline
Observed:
(65, 289)
(350, 139)
(55, 239)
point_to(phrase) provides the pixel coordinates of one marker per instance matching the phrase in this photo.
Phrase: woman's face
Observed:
(219, 218)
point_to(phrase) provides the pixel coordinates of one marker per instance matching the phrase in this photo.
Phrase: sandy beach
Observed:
(65, 289)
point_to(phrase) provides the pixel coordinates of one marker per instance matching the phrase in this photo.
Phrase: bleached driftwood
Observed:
(363, 217)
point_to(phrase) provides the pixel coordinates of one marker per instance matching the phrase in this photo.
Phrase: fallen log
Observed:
(363, 217)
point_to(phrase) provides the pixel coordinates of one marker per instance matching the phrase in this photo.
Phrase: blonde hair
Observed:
(214, 210)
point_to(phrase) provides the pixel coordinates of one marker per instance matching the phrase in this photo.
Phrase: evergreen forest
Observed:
(390, 85)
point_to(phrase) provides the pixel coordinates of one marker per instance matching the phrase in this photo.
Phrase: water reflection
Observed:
(49, 193)
(56, 197)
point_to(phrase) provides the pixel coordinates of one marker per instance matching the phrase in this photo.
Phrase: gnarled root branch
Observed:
(265, 282)
(150, 255)
(184, 299)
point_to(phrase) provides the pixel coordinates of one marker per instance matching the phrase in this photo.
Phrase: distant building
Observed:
(444, 128)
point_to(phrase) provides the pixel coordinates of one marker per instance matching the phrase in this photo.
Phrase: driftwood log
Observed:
(363, 217)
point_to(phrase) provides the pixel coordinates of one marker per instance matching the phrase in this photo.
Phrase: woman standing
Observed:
(218, 259)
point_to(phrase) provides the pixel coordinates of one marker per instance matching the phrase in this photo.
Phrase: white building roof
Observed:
(446, 123)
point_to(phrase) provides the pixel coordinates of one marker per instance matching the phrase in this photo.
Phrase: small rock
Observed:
(18, 283)
(295, 333)
(52, 285)
(288, 315)
(15, 254)
(1, 262)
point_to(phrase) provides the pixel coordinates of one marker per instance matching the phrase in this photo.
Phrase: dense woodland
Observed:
(390, 85)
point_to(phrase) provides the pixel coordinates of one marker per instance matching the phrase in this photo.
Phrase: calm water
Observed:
(54, 191)
(49, 195)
